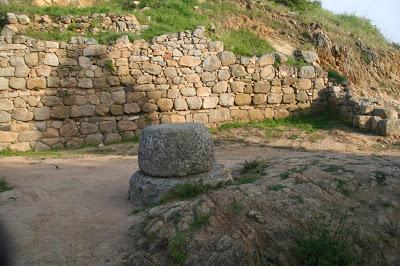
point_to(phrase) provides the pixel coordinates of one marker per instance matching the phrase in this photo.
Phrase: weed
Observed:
(277, 187)
(299, 199)
(380, 177)
(387, 204)
(177, 247)
(109, 66)
(236, 207)
(296, 62)
(286, 175)
(338, 78)
(4, 185)
(253, 167)
(251, 171)
(336, 169)
(325, 243)
(186, 191)
(199, 220)
(341, 185)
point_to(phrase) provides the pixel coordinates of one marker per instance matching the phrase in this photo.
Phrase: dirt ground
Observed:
(73, 209)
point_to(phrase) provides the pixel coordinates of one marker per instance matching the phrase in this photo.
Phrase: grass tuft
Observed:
(199, 220)
(177, 247)
(236, 208)
(187, 191)
(251, 171)
(325, 243)
(4, 185)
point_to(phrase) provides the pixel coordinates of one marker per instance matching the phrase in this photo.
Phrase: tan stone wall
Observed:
(55, 95)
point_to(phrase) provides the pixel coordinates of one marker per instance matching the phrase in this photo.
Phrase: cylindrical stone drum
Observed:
(175, 150)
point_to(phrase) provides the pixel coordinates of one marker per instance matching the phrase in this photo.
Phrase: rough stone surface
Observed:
(174, 150)
(147, 190)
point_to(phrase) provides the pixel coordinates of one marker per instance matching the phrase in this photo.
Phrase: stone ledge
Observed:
(147, 190)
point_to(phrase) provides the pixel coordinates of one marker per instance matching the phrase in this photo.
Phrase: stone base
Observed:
(147, 190)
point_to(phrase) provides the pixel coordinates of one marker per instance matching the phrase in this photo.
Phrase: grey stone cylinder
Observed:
(176, 150)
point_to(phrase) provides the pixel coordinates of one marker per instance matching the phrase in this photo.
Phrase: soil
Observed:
(73, 210)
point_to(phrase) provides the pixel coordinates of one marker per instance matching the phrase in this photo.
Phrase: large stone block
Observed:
(7, 137)
(36, 83)
(42, 113)
(175, 150)
(4, 117)
(4, 84)
(385, 113)
(18, 83)
(189, 61)
(262, 87)
(211, 63)
(51, 59)
(22, 114)
(68, 129)
(242, 99)
(148, 190)
(7, 71)
(95, 50)
(389, 127)
(6, 105)
(307, 72)
(219, 115)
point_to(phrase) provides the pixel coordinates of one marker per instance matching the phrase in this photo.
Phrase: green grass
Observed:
(199, 220)
(380, 177)
(296, 62)
(186, 191)
(277, 187)
(286, 174)
(170, 16)
(325, 243)
(109, 65)
(236, 208)
(251, 171)
(306, 123)
(245, 42)
(177, 247)
(106, 37)
(26, 7)
(4, 185)
(342, 186)
(338, 78)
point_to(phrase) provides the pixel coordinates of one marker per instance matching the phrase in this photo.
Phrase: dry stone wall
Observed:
(365, 114)
(94, 23)
(56, 95)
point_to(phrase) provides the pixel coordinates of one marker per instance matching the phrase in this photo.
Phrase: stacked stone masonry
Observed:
(364, 113)
(94, 23)
(56, 95)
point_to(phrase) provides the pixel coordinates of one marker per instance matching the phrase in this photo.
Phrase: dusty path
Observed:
(74, 210)
(76, 214)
